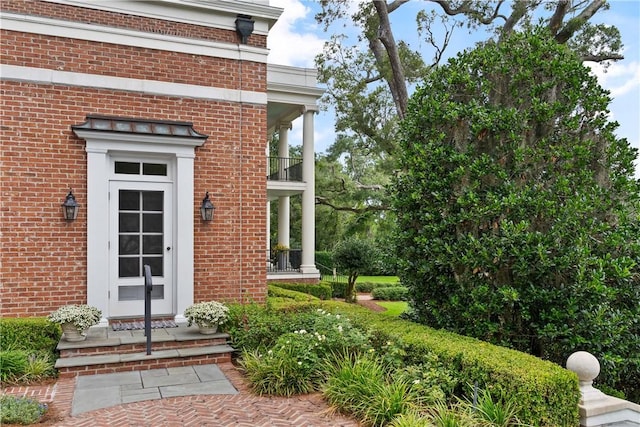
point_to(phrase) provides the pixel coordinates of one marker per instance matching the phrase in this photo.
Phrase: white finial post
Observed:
(587, 367)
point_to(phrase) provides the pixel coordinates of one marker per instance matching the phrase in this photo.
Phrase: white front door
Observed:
(140, 233)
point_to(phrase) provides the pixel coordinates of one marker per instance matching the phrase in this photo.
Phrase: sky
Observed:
(296, 39)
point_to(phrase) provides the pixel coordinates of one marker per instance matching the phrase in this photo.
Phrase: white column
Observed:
(183, 234)
(308, 265)
(97, 233)
(283, 201)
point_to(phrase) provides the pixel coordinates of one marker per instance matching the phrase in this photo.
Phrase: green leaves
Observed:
(517, 209)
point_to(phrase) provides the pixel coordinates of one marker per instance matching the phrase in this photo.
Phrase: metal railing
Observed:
(284, 261)
(285, 169)
(330, 274)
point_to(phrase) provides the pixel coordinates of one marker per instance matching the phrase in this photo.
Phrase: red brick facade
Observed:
(43, 257)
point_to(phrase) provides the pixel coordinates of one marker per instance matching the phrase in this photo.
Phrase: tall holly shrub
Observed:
(517, 208)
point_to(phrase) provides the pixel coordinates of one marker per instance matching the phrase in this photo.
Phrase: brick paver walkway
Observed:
(242, 409)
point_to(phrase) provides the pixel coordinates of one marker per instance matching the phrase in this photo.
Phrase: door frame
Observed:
(101, 146)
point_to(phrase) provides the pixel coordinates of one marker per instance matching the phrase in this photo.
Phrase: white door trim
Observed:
(99, 152)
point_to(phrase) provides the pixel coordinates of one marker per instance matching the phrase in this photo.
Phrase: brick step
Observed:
(135, 344)
(108, 351)
(110, 363)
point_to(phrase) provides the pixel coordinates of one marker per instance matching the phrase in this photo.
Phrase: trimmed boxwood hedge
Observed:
(393, 293)
(320, 290)
(28, 333)
(276, 291)
(338, 288)
(546, 393)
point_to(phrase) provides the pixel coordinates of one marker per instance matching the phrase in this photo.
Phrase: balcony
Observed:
(285, 169)
(284, 261)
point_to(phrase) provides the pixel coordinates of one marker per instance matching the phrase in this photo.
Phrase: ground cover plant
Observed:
(20, 410)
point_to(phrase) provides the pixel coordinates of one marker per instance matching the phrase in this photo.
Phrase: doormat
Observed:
(132, 326)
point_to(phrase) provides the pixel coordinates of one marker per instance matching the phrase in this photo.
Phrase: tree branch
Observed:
(601, 58)
(575, 23)
(468, 10)
(558, 16)
(385, 35)
(325, 202)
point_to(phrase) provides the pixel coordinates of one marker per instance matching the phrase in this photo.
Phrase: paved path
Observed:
(74, 401)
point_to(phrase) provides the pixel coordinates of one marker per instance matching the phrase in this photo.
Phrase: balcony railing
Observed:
(285, 169)
(284, 261)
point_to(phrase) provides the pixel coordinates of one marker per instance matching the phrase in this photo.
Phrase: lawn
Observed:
(378, 279)
(394, 308)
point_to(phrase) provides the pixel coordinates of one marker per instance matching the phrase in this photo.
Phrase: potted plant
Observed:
(207, 315)
(75, 319)
(280, 252)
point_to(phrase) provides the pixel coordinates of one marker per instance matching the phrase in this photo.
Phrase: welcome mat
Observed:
(132, 326)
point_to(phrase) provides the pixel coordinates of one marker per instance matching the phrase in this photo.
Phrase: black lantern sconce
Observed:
(244, 27)
(206, 210)
(70, 207)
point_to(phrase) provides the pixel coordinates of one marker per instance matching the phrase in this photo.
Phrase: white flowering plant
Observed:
(207, 313)
(82, 316)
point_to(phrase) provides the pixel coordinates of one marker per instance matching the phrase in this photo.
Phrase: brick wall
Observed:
(121, 20)
(43, 261)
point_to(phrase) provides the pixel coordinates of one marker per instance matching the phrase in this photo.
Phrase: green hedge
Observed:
(391, 293)
(320, 290)
(277, 291)
(337, 288)
(546, 393)
(29, 333)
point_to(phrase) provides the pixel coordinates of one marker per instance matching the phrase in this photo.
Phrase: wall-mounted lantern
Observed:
(244, 27)
(206, 209)
(70, 207)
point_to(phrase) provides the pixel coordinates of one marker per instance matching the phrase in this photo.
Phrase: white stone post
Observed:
(283, 201)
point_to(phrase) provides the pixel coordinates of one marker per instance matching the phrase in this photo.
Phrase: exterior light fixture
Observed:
(206, 210)
(244, 27)
(70, 207)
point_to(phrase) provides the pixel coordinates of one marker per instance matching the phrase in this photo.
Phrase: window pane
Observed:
(152, 223)
(129, 267)
(154, 169)
(130, 293)
(155, 263)
(152, 201)
(128, 168)
(152, 245)
(129, 245)
(129, 222)
(129, 200)
(157, 292)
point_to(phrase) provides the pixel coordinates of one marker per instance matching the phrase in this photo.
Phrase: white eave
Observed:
(209, 13)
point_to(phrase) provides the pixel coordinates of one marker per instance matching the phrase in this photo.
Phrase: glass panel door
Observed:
(140, 236)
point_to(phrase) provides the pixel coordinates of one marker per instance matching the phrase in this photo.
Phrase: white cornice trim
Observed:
(218, 13)
(152, 87)
(97, 33)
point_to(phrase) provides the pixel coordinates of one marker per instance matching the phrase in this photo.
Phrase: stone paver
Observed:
(136, 410)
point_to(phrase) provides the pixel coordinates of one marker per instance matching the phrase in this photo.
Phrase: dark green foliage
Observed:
(275, 291)
(353, 257)
(20, 410)
(319, 290)
(393, 293)
(546, 393)
(519, 219)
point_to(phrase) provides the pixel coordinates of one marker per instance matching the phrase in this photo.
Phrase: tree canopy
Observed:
(369, 79)
(519, 218)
